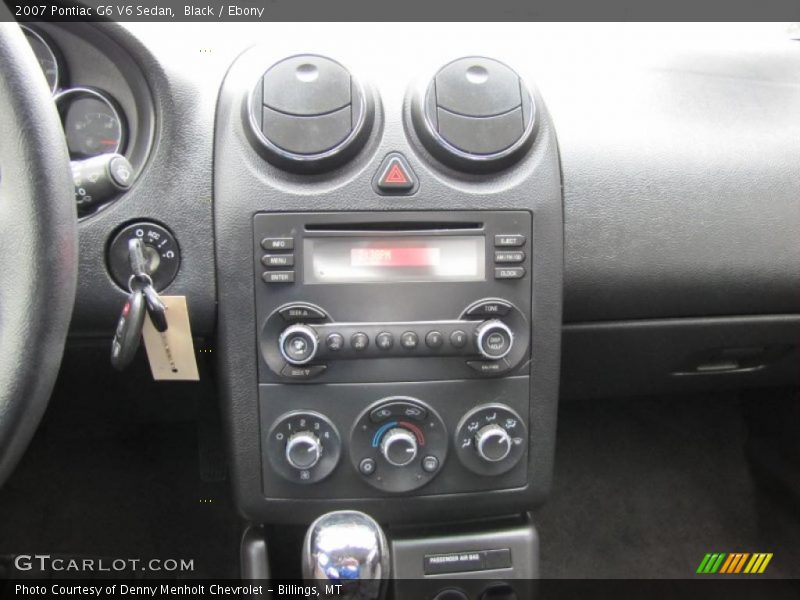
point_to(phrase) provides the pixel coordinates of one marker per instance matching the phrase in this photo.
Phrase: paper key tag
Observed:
(171, 354)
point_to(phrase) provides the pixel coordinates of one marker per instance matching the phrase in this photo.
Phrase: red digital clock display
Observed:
(395, 257)
(416, 258)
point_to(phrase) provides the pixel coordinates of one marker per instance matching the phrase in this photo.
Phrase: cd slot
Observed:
(394, 226)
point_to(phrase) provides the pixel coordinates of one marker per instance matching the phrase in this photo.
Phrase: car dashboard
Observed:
(406, 243)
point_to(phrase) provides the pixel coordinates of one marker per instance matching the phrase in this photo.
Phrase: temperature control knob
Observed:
(298, 344)
(493, 443)
(303, 450)
(494, 339)
(399, 447)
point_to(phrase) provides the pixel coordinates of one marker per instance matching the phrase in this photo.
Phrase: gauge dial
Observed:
(48, 61)
(92, 123)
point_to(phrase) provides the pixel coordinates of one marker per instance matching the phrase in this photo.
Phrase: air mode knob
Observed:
(491, 439)
(303, 450)
(493, 443)
(399, 447)
(494, 339)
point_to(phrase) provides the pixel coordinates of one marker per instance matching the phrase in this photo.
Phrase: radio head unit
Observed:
(390, 296)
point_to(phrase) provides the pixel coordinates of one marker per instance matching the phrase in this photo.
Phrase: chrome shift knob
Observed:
(349, 548)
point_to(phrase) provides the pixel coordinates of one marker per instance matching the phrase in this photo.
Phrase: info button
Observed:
(270, 243)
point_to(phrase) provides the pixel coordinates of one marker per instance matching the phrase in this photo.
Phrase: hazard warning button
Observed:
(395, 177)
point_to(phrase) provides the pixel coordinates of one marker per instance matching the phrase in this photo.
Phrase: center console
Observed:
(394, 351)
(389, 270)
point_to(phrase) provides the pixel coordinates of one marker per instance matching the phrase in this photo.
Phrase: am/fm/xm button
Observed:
(509, 256)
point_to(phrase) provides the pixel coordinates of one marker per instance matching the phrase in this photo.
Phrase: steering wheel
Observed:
(38, 245)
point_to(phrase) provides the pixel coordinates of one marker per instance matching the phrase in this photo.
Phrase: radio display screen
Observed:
(394, 259)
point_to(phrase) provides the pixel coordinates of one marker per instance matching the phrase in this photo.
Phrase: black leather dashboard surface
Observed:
(682, 186)
(680, 158)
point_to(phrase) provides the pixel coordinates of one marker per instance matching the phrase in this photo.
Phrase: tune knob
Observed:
(493, 443)
(303, 450)
(298, 344)
(494, 339)
(399, 447)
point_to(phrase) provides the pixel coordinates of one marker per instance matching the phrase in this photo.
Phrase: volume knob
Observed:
(493, 443)
(298, 344)
(303, 450)
(399, 447)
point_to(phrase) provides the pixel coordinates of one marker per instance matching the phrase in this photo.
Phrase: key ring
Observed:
(144, 278)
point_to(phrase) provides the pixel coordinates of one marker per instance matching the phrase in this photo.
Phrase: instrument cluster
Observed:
(93, 122)
(104, 105)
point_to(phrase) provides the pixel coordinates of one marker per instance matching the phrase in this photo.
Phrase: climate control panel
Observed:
(398, 444)
(437, 437)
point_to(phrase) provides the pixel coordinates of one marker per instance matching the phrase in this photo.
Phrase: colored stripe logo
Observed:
(735, 563)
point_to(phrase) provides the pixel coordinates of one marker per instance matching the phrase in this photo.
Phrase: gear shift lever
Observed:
(349, 548)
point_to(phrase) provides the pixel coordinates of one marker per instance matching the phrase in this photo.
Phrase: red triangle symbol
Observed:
(396, 174)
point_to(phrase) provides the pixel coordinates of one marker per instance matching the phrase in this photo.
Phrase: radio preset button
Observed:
(278, 276)
(434, 339)
(277, 260)
(384, 340)
(509, 256)
(490, 308)
(409, 340)
(334, 342)
(509, 240)
(271, 243)
(458, 339)
(359, 341)
(509, 272)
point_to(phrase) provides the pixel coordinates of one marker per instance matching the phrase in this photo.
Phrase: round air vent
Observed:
(476, 114)
(309, 114)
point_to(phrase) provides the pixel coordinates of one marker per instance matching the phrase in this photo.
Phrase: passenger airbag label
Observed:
(459, 562)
